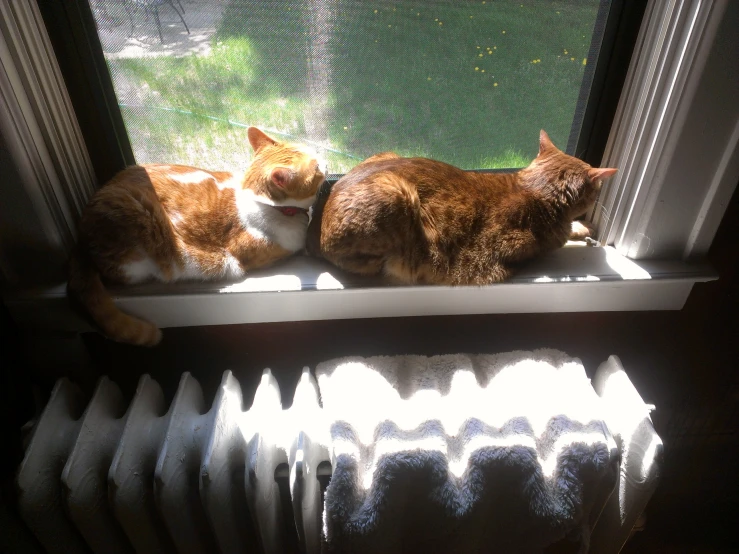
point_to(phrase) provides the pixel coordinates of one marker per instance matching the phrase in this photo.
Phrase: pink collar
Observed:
(291, 210)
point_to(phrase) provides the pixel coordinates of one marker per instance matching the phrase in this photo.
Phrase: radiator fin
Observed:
(183, 478)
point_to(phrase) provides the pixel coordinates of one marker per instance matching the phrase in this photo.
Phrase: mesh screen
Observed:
(466, 82)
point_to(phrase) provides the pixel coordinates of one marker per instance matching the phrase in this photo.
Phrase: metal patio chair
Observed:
(152, 7)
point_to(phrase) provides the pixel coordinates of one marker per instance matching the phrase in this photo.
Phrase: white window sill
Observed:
(573, 279)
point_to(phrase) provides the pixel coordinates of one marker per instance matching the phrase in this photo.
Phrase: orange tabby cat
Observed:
(424, 221)
(171, 222)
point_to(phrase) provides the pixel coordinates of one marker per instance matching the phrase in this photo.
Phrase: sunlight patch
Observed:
(565, 279)
(274, 283)
(625, 267)
(326, 281)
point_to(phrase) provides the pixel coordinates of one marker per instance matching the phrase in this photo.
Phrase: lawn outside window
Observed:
(676, 60)
(468, 83)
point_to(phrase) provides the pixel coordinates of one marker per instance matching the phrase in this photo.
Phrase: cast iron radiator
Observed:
(104, 476)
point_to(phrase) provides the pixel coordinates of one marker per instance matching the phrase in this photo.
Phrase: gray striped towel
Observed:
(463, 453)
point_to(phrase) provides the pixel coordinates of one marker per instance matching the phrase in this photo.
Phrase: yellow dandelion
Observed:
(375, 11)
(470, 17)
(477, 69)
(557, 13)
(585, 61)
(504, 32)
(345, 128)
(483, 71)
(495, 84)
(566, 52)
(495, 47)
(419, 13)
(572, 59)
(428, 78)
(437, 19)
(389, 26)
(440, 23)
(538, 61)
(480, 55)
(478, 47)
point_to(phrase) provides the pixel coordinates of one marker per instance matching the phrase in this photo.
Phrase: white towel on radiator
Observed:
(462, 453)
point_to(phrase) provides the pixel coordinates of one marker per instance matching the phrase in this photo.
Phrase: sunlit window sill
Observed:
(573, 279)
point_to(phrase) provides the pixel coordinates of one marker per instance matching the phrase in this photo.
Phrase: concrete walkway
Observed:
(114, 26)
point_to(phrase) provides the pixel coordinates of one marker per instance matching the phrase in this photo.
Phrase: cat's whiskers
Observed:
(604, 211)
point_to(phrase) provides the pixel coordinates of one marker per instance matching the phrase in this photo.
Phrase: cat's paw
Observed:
(582, 230)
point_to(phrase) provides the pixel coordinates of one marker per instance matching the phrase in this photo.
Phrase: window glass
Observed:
(466, 82)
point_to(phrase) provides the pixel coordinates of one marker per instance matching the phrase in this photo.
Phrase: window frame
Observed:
(679, 65)
(669, 104)
(72, 30)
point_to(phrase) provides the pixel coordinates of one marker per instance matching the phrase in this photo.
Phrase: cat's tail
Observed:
(86, 287)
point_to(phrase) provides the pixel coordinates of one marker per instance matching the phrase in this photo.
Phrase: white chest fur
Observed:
(263, 221)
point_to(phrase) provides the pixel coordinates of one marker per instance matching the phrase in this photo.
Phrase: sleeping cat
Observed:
(422, 221)
(171, 222)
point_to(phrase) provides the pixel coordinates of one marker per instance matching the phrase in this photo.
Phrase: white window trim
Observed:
(675, 176)
(654, 115)
(572, 279)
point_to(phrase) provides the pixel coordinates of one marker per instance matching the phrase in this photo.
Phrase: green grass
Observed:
(470, 83)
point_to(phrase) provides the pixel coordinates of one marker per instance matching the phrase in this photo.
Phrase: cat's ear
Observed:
(601, 173)
(258, 139)
(545, 142)
(280, 176)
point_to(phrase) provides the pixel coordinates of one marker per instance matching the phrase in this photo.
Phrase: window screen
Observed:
(466, 82)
